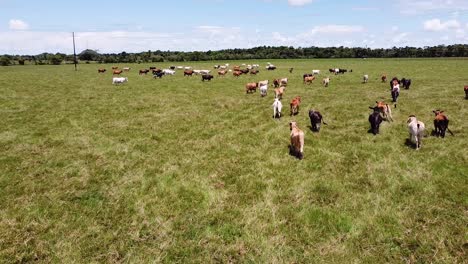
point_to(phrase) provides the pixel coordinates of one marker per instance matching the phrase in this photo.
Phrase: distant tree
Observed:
(88, 55)
(55, 60)
(4, 61)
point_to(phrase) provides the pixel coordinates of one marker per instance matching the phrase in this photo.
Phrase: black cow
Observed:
(466, 91)
(271, 67)
(315, 120)
(207, 77)
(342, 71)
(172, 67)
(406, 83)
(375, 119)
(158, 74)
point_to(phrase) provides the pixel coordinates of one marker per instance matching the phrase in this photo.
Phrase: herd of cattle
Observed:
(380, 112)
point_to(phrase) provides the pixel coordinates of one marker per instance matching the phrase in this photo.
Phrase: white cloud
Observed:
(336, 29)
(424, 6)
(16, 24)
(437, 25)
(299, 2)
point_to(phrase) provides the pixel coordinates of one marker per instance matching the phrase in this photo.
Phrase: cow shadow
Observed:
(410, 144)
(312, 129)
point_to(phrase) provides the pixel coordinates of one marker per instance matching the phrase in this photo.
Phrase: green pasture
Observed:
(177, 170)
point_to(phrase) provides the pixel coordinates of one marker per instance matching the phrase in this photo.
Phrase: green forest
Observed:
(263, 52)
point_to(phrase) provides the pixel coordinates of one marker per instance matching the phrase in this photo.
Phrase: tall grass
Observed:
(180, 170)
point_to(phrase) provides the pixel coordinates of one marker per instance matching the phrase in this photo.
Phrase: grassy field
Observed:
(180, 170)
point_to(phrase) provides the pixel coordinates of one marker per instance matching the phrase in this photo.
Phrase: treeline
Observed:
(263, 52)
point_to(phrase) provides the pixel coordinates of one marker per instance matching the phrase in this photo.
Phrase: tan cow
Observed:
(297, 140)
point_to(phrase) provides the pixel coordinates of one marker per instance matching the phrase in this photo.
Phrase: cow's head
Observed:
(292, 125)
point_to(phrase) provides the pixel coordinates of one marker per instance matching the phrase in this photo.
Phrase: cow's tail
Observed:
(324, 122)
(448, 129)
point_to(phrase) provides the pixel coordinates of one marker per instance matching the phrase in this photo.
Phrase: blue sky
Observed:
(32, 26)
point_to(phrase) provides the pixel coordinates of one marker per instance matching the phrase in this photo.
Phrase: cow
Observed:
(126, 69)
(152, 68)
(291, 70)
(283, 81)
(466, 91)
(391, 82)
(416, 130)
(187, 68)
(308, 80)
(159, 74)
(271, 67)
(385, 110)
(117, 72)
(440, 123)
(222, 73)
(117, 80)
(188, 72)
(236, 73)
(277, 106)
(383, 77)
(337, 70)
(245, 71)
(395, 91)
(365, 78)
(205, 72)
(145, 71)
(172, 67)
(251, 87)
(156, 71)
(279, 92)
(101, 70)
(315, 72)
(342, 71)
(263, 86)
(168, 72)
(236, 68)
(375, 119)
(115, 67)
(316, 120)
(306, 75)
(326, 81)
(331, 70)
(276, 83)
(254, 72)
(294, 105)
(206, 77)
(297, 140)
(406, 83)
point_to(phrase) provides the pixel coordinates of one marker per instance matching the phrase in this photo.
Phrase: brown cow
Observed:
(279, 92)
(237, 73)
(253, 72)
(222, 73)
(297, 140)
(440, 123)
(251, 87)
(101, 70)
(115, 67)
(294, 105)
(309, 79)
(118, 72)
(384, 77)
(188, 72)
(385, 110)
(145, 71)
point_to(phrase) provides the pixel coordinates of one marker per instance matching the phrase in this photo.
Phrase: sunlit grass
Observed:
(180, 170)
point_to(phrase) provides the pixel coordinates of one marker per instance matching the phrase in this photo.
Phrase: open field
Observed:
(180, 170)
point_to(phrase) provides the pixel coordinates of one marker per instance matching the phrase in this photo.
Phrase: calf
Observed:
(315, 120)
(385, 110)
(222, 72)
(168, 72)
(117, 80)
(276, 83)
(145, 71)
(308, 80)
(294, 105)
(251, 87)
(365, 78)
(406, 83)
(384, 78)
(375, 119)
(279, 92)
(297, 140)
(188, 72)
(101, 70)
(395, 91)
(236, 73)
(159, 74)
(117, 72)
(115, 67)
(206, 77)
(440, 123)
(416, 130)
(263, 87)
(306, 75)
(315, 72)
(326, 81)
(253, 72)
(277, 106)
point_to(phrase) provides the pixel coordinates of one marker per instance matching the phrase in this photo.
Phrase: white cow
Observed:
(187, 68)
(205, 71)
(365, 78)
(277, 106)
(315, 71)
(263, 89)
(416, 129)
(168, 72)
(117, 80)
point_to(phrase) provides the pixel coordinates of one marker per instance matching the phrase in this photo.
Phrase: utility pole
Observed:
(74, 51)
